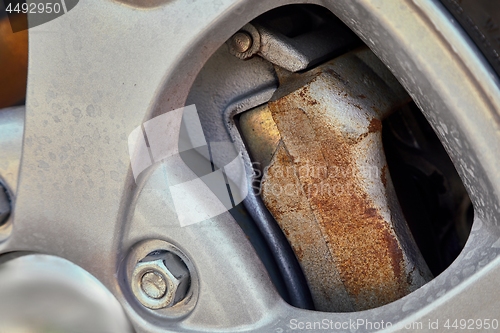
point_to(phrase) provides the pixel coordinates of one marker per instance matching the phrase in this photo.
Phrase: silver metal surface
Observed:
(41, 293)
(160, 280)
(87, 91)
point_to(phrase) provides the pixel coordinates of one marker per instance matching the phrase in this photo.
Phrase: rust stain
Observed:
(383, 175)
(304, 94)
(362, 245)
(284, 196)
(375, 125)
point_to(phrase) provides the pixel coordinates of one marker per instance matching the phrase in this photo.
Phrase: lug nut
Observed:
(160, 280)
(4, 205)
(241, 42)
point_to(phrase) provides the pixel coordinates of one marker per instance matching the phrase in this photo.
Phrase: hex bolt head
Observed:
(241, 42)
(160, 280)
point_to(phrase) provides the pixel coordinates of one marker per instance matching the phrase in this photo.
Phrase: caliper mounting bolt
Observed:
(241, 42)
(245, 43)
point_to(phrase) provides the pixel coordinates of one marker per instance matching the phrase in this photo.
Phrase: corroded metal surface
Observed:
(328, 186)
